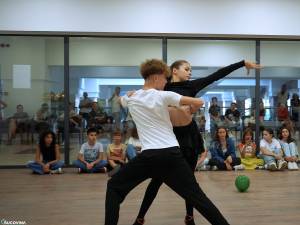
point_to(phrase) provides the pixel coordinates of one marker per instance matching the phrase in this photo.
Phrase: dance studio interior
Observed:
(65, 133)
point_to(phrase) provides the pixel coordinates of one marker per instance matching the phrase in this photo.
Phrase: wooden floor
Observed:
(77, 199)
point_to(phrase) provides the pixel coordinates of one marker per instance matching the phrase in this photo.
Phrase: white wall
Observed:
(280, 53)
(23, 50)
(255, 17)
(113, 52)
(210, 53)
(104, 51)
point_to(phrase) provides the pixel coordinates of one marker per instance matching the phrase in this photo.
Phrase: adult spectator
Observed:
(282, 112)
(42, 118)
(85, 106)
(232, 116)
(97, 117)
(283, 95)
(18, 122)
(116, 107)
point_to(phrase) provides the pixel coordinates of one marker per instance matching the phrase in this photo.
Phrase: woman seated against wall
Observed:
(248, 150)
(222, 149)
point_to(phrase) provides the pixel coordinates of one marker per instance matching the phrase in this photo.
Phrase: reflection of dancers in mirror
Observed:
(185, 129)
(161, 158)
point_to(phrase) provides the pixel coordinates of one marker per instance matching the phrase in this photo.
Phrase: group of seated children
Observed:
(273, 154)
(91, 157)
(279, 154)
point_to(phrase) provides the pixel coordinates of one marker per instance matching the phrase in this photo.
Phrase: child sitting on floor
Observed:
(247, 149)
(91, 158)
(116, 152)
(47, 156)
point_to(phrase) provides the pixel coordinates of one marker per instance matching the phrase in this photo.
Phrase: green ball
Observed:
(242, 183)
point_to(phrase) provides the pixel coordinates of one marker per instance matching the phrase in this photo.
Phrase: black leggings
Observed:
(166, 165)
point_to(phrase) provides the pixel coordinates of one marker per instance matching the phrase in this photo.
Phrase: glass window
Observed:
(99, 68)
(280, 89)
(31, 94)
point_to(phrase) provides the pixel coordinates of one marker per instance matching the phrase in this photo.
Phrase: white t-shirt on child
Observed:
(149, 111)
(274, 146)
(91, 152)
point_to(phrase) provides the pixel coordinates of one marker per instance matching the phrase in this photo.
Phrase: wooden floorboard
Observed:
(78, 199)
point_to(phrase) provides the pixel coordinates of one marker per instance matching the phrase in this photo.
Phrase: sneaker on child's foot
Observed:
(266, 166)
(79, 170)
(260, 168)
(239, 167)
(139, 221)
(295, 166)
(202, 168)
(57, 171)
(189, 220)
(290, 165)
(281, 164)
(272, 166)
(60, 171)
(214, 168)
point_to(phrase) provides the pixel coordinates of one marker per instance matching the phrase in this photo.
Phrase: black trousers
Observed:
(167, 165)
(191, 158)
(191, 143)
